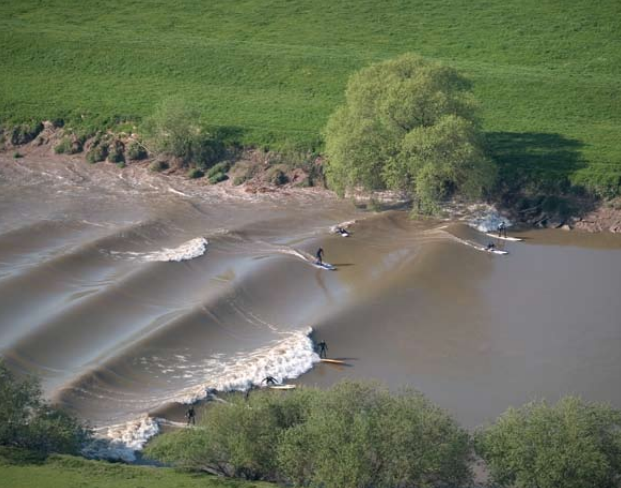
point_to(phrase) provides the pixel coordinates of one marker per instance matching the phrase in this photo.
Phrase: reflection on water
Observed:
(115, 333)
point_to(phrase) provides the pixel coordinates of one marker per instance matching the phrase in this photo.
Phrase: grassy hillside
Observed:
(548, 72)
(18, 470)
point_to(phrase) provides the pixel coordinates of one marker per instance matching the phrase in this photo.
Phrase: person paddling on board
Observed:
(191, 416)
(319, 256)
(502, 228)
(269, 380)
(323, 349)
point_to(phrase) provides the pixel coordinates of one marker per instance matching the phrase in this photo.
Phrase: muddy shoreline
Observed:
(590, 215)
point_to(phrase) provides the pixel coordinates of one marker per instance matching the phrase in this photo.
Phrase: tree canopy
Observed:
(408, 124)
(572, 444)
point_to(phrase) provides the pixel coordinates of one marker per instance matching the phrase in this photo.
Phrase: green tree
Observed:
(27, 421)
(572, 444)
(361, 435)
(408, 124)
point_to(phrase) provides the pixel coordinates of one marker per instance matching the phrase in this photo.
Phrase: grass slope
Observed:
(548, 72)
(19, 470)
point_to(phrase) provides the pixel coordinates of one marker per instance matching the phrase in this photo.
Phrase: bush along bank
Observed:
(211, 157)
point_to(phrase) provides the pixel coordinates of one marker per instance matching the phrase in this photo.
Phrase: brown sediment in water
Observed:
(115, 335)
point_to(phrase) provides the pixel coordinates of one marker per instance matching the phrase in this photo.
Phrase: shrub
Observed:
(217, 178)
(23, 133)
(136, 151)
(158, 166)
(276, 176)
(17, 155)
(98, 152)
(408, 124)
(572, 444)
(354, 434)
(219, 168)
(69, 145)
(27, 421)
(115, 153)
(121, 165)
(174, 128)
(239, 180)
(195, 173)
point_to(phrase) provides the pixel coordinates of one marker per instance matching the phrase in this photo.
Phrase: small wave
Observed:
(283, 359)
(343, 225)
(186, 251)
(120, 442)
(191, 249)
(488, 219)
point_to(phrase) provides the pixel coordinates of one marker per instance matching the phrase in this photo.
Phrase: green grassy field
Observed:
(17, 471)
(547, 72)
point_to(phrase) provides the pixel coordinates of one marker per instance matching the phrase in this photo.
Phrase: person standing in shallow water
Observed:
(191, 415)
(323, 349)
(319, 255)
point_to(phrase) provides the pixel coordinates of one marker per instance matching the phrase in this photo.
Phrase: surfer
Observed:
(323, 349)
(342, 231)
(502, 228)
(490, 246)
(269, 380)
(191, 416)
(319, 256)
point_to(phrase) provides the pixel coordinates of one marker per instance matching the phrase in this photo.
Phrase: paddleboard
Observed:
(512, 239)
(282, 387)
(327, 266)
(332, 361)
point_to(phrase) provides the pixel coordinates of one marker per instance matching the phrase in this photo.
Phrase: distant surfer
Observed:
(269, 381)
(502, 229)
(319, 255)
(191, 415)
(490, 246)
(342, 231)
(323, 349)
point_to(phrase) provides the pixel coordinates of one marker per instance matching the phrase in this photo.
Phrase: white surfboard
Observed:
(326, 266)
(332, 361)
(496, 236)
(282, 387)
(493, 251)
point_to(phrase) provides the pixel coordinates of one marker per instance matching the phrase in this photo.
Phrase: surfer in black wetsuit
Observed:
(191, 416)
(490, 246)
(323, 349)
(269, 380)
(502, 228)
(319, 256)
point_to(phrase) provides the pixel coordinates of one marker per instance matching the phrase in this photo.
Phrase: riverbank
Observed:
(251, 171)
(22, 469)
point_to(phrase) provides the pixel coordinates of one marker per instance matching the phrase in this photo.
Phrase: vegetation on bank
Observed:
(26, 421)
(272, 72)
(409, 124)
(353, 434)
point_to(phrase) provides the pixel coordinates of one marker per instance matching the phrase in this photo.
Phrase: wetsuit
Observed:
(501, 229)
(323, 349)
(319, 256)
(269, 380)
(191, 416)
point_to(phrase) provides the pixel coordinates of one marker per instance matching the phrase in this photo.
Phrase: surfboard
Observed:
(332, 361)
(493, 251)
(327, 266)
(282, 387)
(344, 234)
(512, 239)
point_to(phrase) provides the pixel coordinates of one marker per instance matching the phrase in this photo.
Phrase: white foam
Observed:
(283, 359)
(120, 442)
(487, 220)
(186, 251)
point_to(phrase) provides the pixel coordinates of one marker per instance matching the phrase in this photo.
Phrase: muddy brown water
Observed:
(89, 302)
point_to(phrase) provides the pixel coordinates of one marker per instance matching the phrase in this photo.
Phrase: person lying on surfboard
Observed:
(269, 380)
(323, 349)
(319, 256)
(502, 228)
